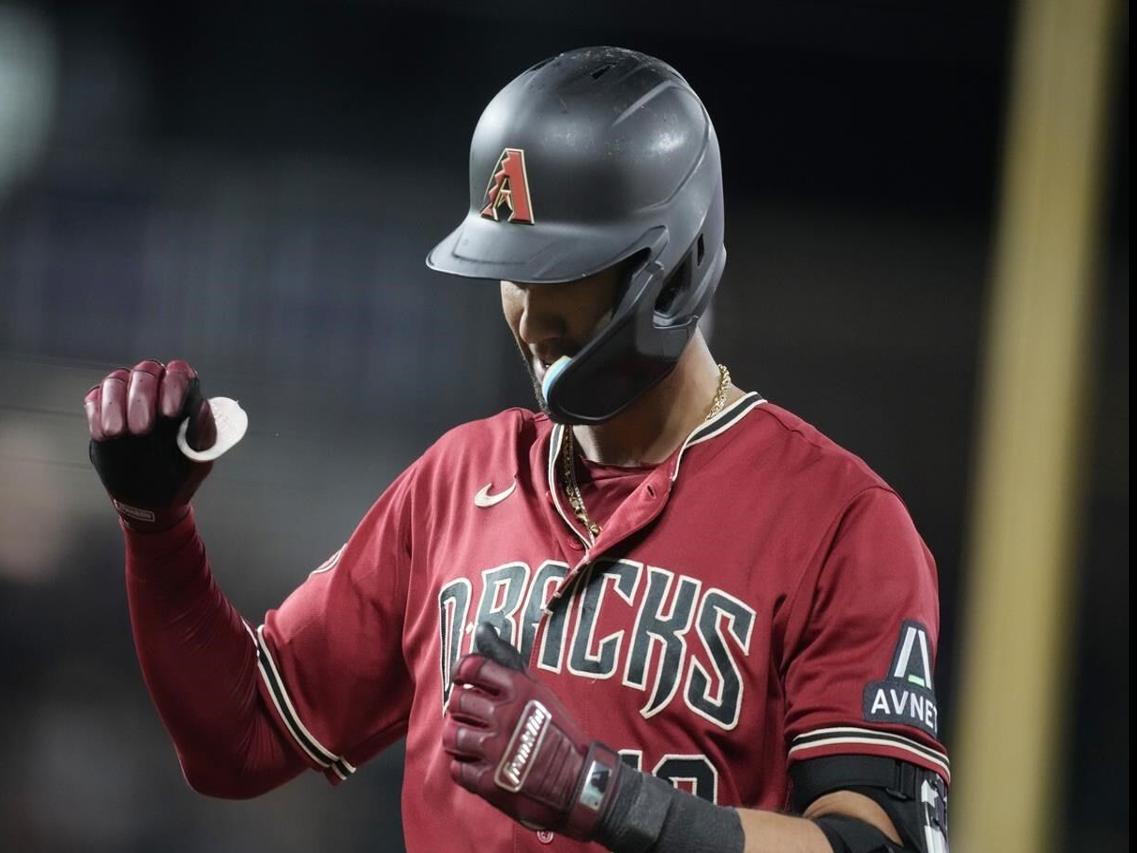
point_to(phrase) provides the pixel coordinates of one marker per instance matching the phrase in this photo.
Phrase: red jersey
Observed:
(759, 598)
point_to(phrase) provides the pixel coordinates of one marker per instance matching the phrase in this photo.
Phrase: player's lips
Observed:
(543, 361)
(541, 364)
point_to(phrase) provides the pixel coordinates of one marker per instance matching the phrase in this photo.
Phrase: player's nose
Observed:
(541, 316)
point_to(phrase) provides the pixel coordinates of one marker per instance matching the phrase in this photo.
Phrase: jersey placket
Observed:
(644, 505)
(640, 509)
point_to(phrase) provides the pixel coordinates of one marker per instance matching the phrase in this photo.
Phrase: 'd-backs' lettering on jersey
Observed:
(759, 598)
(650, 658)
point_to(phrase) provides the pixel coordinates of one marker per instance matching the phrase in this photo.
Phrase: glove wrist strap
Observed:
(145, 520)
(596, 789)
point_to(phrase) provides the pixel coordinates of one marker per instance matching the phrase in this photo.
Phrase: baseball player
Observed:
(658, 614)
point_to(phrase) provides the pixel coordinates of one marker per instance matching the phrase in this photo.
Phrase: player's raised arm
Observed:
(197, 656)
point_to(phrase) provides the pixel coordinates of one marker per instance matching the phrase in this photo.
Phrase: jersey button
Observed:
(575, 545)
(545, 837)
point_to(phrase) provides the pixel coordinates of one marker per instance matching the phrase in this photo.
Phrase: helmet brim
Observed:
(547, 253)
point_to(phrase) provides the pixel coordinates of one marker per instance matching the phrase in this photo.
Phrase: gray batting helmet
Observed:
(593, 157)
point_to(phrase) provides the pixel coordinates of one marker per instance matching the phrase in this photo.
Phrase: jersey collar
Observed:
(720, 423)
(716, 426)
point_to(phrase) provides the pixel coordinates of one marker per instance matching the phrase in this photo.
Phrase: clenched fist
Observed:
(513, 743)
(134, 416)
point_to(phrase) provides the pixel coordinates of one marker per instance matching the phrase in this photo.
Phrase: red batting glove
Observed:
(133, 417)
(514, 744)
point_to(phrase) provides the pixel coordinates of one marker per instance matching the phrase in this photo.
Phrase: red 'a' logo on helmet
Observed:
(509, 188)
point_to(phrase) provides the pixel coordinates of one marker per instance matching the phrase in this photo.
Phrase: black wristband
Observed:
(649, 814)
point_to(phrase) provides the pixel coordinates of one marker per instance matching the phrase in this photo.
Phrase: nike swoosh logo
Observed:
(484, 499)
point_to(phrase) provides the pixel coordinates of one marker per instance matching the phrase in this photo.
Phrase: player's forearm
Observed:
(199, 665)
(649, 810)
(770, 832)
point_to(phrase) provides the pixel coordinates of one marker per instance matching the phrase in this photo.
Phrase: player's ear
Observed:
(489, 644)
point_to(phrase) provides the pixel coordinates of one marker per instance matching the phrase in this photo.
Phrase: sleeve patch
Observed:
(906, 694)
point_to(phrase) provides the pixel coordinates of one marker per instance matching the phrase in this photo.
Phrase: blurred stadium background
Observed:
(254, 187)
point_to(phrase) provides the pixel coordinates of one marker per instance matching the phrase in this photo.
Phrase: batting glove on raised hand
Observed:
(133, 417)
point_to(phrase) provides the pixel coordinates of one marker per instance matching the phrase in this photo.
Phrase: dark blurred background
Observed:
(253, 187)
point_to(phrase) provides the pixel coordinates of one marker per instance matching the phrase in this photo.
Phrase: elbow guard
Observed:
(914, 799)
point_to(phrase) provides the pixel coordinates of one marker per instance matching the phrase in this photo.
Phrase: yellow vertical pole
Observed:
(1007, 758)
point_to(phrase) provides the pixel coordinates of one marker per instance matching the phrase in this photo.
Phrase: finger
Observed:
(91, 409)
(142, 396)
(486, 675)
(465, 741)
(469, 774)
(202, 432)
(488, 643)
(175, 384)
(470, 706)
(112, 403)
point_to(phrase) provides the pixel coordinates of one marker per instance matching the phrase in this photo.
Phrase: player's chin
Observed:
(539, 395)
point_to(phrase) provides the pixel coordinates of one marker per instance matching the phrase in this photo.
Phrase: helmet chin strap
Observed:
(586, 389)
(637, 350)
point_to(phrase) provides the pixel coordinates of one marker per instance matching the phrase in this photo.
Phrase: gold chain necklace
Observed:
(572, 490)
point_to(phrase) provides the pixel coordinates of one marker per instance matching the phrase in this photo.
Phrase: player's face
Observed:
(551, 320)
